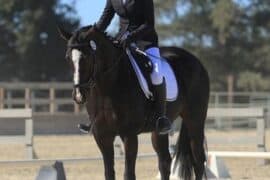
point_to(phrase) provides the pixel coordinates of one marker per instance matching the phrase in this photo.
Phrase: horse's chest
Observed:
(133, 116)
(125, 112)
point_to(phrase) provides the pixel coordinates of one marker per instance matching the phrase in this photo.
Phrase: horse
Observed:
(105, 82)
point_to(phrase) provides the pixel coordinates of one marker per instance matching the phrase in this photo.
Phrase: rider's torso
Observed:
(129, 11)
(132, 15)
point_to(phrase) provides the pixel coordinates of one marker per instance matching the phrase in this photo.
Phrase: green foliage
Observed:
(229, 37)
(32, 49)
(251, 81)
(222, 17)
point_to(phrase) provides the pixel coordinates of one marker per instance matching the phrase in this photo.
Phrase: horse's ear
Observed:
(63, 33)
(92, 28)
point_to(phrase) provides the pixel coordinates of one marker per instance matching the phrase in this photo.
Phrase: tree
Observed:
(35, 51)
(229, 36)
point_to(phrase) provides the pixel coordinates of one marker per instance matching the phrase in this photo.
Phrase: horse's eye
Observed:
(93, 45)
(67, 57)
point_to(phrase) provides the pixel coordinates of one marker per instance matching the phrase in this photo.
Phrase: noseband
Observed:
(91, 83)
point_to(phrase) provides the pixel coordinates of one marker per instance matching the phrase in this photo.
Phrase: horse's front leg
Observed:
(160, 144)
(131, 150)
(105, 144)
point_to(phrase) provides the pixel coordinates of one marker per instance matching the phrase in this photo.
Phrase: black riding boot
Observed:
(163, 125)
(84, 128)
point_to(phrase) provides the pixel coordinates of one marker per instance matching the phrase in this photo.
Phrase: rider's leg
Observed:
(163, 125)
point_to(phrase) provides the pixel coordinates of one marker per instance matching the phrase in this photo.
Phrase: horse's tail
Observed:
(183, 154)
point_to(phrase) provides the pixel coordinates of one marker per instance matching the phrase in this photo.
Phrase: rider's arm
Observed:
(149, 23)
(106, 16)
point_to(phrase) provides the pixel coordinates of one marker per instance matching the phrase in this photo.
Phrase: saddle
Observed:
(143, 67)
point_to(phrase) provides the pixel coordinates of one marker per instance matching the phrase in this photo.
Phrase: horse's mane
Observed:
(86, 28)
(107, 35)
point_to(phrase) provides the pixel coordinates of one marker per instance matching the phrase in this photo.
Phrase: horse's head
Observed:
(86, 53)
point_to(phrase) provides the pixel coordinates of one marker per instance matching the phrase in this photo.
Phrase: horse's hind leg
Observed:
(131, 150)
(105, 144)
(161, 144)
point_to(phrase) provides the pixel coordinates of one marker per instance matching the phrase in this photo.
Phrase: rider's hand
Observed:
(125, 43)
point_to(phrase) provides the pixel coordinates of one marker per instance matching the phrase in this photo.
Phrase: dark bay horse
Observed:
(119, 106)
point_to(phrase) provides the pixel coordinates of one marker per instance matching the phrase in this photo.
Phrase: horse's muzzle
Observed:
(78, 97)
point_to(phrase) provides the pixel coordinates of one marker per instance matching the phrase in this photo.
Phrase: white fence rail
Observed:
(258, 114)
(55, 97)
(219, 169)
(238, 154)
(236, 112)
(51, 98)
(27, 138)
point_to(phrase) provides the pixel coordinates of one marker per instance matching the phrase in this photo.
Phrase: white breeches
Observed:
(157, 73)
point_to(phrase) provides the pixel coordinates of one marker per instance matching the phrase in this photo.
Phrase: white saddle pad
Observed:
(171, 83)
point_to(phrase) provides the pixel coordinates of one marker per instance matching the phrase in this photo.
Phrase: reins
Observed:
(91, 83)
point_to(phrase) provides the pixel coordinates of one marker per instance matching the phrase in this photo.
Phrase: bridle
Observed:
(91, 83)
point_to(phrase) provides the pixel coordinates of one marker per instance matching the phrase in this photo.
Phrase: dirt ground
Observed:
(57, 147)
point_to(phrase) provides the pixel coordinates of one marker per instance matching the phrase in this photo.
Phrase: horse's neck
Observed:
(107, 81)
(113, 97)
(121, 78)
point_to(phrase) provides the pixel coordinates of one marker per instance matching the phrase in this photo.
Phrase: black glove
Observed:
(125, 43)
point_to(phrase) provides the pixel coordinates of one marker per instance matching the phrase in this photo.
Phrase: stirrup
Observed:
(166, 127)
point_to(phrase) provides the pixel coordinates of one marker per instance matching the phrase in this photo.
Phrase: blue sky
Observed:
(88, 10)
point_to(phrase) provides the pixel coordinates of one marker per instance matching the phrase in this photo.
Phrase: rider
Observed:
(137, 24)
